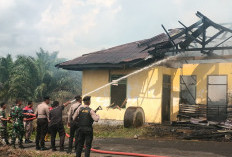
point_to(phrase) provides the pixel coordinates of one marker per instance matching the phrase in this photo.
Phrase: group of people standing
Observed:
(22, 122)
(49, 119)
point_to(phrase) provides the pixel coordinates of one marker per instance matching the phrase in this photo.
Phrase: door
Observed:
(217, 98)
(166, 94)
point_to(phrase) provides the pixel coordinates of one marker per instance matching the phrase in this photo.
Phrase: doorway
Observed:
(166, 95)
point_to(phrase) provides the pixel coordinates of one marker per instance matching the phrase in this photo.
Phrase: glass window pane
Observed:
(217, 94)
(217, 79)
(188, 89)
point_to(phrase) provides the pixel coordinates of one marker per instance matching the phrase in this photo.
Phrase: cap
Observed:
(87, 98)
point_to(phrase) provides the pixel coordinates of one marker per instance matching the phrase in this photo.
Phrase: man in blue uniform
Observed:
(86, 117)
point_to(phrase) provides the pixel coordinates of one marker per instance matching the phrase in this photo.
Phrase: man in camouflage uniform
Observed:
(3, 124)
(18, 127)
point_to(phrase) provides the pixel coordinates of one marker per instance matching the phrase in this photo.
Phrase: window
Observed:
(188, 89)
(118, 92)
(217, 98)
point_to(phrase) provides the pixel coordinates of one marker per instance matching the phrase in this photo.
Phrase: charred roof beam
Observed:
(189, 35)
(196, 49)
(215, 25)
(195, 34)
(213, 37)
(195, 25)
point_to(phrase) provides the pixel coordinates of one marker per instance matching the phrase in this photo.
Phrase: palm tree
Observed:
(31, 78)
(57, 83)
(23, 78)
(6, 65)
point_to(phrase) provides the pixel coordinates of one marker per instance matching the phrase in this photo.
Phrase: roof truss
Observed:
(196, 37)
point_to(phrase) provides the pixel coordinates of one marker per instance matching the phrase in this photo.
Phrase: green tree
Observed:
(57, 83)
(31, 78)
(23, 78)
(6, 65)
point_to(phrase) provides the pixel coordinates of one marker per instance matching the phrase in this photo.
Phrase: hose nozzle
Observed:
(99, 108)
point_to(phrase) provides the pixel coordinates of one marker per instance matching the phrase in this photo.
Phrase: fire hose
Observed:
(118, 153)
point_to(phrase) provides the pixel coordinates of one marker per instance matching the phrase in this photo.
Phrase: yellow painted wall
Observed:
(202, 71)
(145, 88)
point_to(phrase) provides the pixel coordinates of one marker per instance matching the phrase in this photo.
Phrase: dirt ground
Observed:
(171, 148)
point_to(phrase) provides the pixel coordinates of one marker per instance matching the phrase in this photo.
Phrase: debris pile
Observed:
(207, 130)
(193, 129)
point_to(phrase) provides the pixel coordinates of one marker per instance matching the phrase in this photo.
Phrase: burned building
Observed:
(192, 77)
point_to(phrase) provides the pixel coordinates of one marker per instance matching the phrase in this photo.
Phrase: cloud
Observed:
(26, 25)
(6, 4)
(74, 27)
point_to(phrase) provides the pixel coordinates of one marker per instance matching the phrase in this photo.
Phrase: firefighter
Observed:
(18, 128)
(42, 113)
(73, 125)
(3, 124)
(56, 124)
(86, 117)
(28, 121)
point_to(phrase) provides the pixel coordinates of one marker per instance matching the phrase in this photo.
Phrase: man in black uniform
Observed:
(86, 117)
(56, 124)
(73, 124)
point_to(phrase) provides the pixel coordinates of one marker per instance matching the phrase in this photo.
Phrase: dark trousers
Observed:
(73, 132)
(60, 129)
(4, 134)
(87, 138)
(42, 128)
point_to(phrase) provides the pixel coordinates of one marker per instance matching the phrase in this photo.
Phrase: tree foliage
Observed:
(32, 78)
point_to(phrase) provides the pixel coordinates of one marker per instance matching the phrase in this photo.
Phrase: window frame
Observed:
(195, 93)
(124, 81)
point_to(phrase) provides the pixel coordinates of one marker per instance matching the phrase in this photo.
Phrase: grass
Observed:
(8, 151)
(105, 131)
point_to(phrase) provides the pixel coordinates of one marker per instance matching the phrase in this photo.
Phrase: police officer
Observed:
(42, 113)
(3, 124)
(73, 124)
(18, 128)
(86, 116)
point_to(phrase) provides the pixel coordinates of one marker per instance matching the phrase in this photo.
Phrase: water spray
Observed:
(131, 74)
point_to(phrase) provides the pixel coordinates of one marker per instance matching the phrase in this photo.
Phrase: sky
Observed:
(77, 27)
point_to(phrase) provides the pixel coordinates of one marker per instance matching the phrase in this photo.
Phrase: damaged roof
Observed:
(144, 52)
(132, 54)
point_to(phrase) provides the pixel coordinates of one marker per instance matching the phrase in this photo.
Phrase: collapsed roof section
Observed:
(143, 52)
